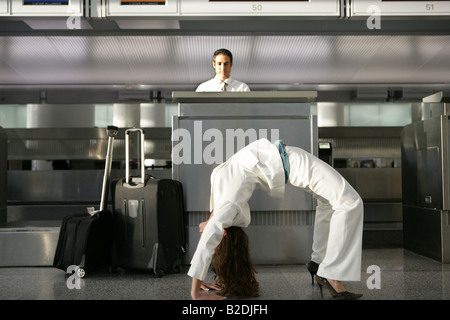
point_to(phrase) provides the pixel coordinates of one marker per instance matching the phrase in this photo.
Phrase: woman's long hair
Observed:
(233, 267)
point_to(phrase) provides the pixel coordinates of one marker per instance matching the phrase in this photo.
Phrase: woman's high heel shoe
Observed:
(346, 295)
(312, 268)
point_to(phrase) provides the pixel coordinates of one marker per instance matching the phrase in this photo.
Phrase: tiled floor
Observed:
(403, 276)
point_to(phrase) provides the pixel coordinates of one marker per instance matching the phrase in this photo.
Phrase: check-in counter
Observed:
(210, 127)
(369, 158)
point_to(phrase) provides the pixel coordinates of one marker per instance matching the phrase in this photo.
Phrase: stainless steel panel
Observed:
(375, 184)
(363, 142)
(427, 232)
(281, 229)
(62, 185)
(294, 130)
(445, 132)
(425, 163)
(383, 216)
(80, 144)
(3, 175)
(441, 96)
(270, 244)
(42, 214)
(244, 97)
(58, 185)
(27, 246)
(274, 237)
(247, 110)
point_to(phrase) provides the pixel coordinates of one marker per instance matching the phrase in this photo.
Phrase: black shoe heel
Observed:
(346, 295)
(312, 268)
(320, 287)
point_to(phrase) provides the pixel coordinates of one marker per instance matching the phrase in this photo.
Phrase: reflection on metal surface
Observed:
(425, 147)
(80, 143)
(290, 121)
(39, 199)
(426, 190)
(3, 175)
(375, 184)
(245, 97)
(274, 237)
(281, 229)
(60, 186)
(27, 246)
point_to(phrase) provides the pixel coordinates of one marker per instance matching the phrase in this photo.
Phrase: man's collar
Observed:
(227, 81)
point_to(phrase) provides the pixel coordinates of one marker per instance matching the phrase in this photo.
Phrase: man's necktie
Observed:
(224, 86)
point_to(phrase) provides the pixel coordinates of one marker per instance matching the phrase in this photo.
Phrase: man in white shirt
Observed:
(269, 166)
(222, 63)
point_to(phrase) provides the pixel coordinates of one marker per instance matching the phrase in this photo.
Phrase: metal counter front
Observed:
(210, 127)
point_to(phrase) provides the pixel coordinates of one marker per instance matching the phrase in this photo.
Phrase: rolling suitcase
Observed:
(149, 221)
(85, 239)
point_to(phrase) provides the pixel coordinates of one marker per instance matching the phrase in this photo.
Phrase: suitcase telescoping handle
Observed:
(112, 132)
(127, 153)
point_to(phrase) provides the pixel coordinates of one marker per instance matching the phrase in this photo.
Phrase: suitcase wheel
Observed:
(80, 272)
(177, 268)
(159, 273)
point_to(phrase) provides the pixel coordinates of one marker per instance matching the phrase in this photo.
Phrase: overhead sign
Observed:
(141, 7)
(264, 7)
(148, 2)
(46, 2)
(258, 0)
(400, 7)
(47, 7)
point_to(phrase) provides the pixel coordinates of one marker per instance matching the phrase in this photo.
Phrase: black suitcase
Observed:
(85, 239)
(149, 221)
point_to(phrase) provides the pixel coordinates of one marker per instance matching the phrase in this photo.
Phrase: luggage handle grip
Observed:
(112, 133)
(127, 154)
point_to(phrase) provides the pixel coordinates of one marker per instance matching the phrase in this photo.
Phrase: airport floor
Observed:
(388, 272)
(394, 282)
